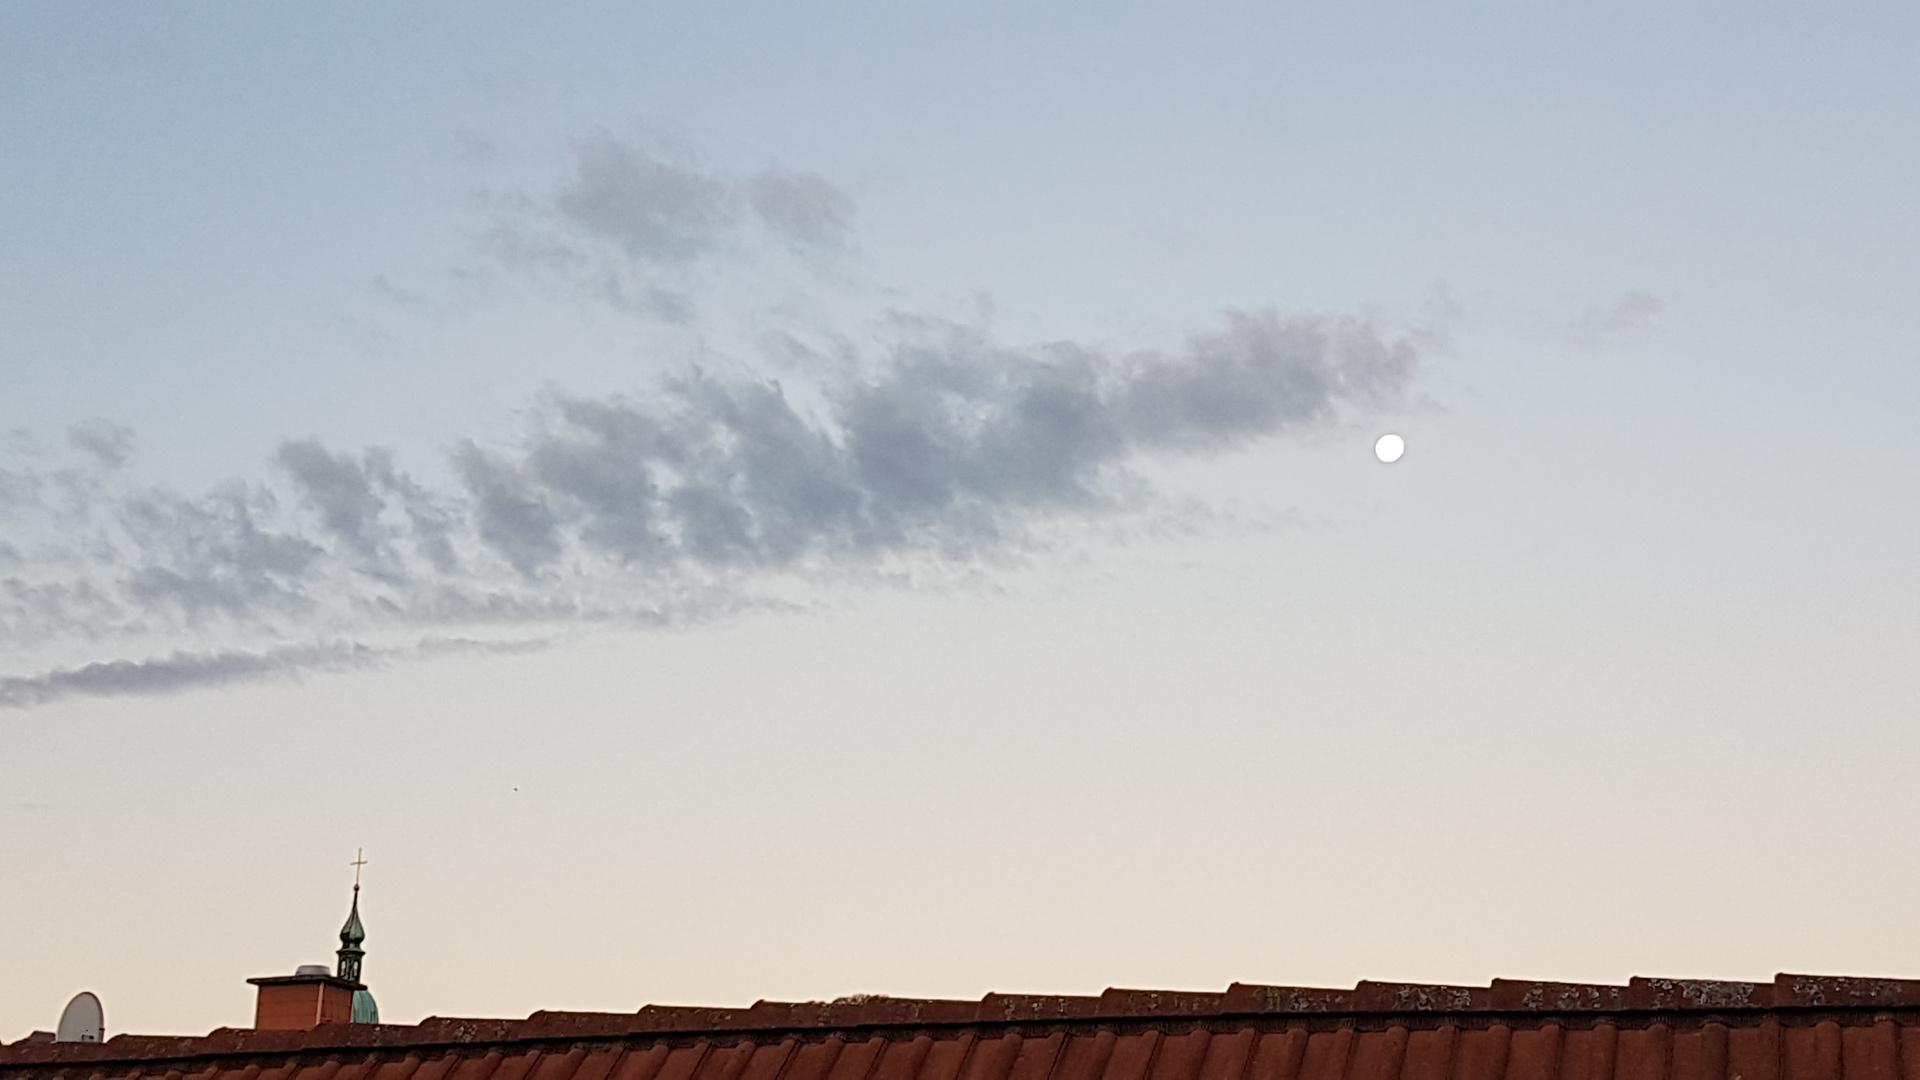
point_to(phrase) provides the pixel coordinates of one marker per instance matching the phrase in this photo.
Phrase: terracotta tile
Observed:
(1378, 1055)
(1279, 1056)
(1180, 1055)
(1481, 1054)
(282, 1071)
(1870, 1053)
(1328, 1053)
(1132, 1056)
(682, 1062)
(1792, 1028)
(641, 1064)
(1536, 1053)
(403, 1069)
(323, 1070)
(1641, 1054)
(517, 1066)
(1037, 1057)
(595, 1065)
(1753, 1053)
(1713, 1051)
(556, 1066)
(992, 1058)
(901, 1059)
(945, 1058)
(1909, 1052)
(1085, 1056)
(725, 1062)
(1686, 1054)
(769, 1060)
(1229, 1054)
(1812, 1053)
(832, 1059)
(806, 1060)
(1429, 1054)
(472, 1066)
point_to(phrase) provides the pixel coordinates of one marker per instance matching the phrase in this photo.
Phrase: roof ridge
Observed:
(866, 1011)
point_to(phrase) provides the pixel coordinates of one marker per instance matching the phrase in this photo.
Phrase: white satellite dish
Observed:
(83, 1020)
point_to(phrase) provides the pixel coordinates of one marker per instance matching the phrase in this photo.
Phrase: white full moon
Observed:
(1389, 447)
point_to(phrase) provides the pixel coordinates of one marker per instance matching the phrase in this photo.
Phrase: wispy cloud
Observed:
(190, 670)
(1632, 313)
(641, 230)
(939, 445)
(181, 670)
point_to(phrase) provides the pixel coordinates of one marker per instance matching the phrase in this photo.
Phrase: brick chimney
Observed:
(304, 1000)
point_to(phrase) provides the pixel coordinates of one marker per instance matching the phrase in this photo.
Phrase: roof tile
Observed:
(1429, 1054)
(1132, 1056)
(1278, 1056)
(766, 1061)
(682, 1062)
(1794, 1027)
(1327, 1054)
(820, 1060)
(1085, 1058)
(856, 1061)
(1037, 1057)
(945, 1057)
(901, 1058)
(641, 1065)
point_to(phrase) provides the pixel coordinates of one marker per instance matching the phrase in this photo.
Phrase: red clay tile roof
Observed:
(1794, 1028)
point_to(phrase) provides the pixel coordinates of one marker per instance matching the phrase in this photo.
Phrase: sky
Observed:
(737, 501)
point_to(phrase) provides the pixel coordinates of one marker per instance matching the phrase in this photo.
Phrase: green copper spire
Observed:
(352, 934)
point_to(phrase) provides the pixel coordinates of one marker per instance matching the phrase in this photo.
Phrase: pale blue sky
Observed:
(1613, 674)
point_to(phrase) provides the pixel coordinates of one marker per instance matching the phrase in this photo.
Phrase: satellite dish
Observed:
(83, 1020)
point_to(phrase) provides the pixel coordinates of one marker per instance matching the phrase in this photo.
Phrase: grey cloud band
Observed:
(679, 502)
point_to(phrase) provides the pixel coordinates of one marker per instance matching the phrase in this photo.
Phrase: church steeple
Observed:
(310, 996)
(364, 1010)
(352, 934)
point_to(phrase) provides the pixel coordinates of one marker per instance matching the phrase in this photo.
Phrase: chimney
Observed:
(304, 1000)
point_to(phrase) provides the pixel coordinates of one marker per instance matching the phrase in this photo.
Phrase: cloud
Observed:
(474, 150)
(174, 673)
(802, 208)
(340, 490)
(1634, 312)
(949, 447)
(183, 671)
(109, 444)
(652, 210)
(929, 446)
(954, 439)
(638, 230)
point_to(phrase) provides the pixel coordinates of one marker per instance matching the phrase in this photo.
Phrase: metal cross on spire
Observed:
(359, 860)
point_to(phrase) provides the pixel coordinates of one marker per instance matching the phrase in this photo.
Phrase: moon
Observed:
(1389, 447)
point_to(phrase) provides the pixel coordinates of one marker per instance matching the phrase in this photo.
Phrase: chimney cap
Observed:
(299, 978)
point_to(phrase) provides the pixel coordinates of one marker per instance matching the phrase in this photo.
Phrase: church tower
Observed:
(351, 935)
(312, 995)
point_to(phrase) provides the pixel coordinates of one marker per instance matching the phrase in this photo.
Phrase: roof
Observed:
(1794, 1028)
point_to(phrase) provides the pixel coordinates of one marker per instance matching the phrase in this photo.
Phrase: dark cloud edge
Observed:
(182, 670)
